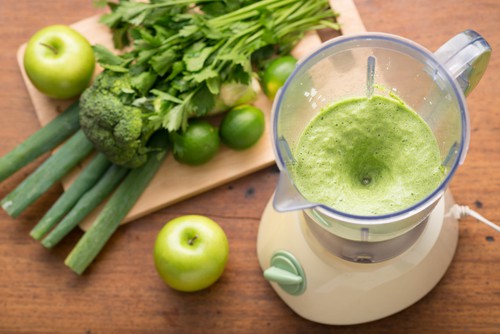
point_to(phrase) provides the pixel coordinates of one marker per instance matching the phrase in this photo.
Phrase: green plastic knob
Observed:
(287, 272)
(281, 276)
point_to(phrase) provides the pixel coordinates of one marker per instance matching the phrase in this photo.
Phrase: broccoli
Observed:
(117, 119)
(114, 127)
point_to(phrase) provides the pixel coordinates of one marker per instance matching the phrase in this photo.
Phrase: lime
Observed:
(242, 127)
(197, 144)
(276, 73)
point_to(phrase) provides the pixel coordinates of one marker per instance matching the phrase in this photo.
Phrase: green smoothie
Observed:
(367, 156)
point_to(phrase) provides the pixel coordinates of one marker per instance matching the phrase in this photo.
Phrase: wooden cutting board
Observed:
(175, 182)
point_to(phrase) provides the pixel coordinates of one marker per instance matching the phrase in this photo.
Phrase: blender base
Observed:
(339, 292)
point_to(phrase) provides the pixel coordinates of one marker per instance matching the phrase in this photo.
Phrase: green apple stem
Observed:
(192, 240)
(50, 47)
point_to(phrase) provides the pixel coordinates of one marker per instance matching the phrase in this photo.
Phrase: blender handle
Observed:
(466, 57)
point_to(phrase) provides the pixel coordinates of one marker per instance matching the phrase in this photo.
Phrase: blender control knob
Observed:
(287, 272)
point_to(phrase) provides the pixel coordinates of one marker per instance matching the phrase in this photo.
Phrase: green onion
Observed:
(88, 202)
(42, 141)
(85, 180)
(115, 210)
(52, 170)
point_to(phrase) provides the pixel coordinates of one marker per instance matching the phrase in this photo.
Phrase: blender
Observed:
(341, 268)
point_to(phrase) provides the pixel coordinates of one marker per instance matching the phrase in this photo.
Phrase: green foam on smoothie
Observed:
(367, 156)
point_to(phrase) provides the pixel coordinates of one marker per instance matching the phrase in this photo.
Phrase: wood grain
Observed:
(121, 292)
(349, 20)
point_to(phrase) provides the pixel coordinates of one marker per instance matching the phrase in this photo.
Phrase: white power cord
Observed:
(460, 211)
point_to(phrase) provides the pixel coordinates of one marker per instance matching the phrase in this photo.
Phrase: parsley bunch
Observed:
(181, 52)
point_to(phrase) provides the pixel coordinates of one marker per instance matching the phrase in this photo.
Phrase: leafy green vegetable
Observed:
(188, 53)
(181, 55)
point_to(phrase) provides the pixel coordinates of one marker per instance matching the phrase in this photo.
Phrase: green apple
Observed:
(191, 252)
(59, 61)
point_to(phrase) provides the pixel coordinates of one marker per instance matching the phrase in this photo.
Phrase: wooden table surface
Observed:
(121, 291)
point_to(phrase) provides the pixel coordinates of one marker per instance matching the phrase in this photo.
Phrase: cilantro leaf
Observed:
(115, 68)
(176, 118)
(202, 101)
(166, 96)
(106, 57)
(195, 57)
(162, 62)
(203, 75)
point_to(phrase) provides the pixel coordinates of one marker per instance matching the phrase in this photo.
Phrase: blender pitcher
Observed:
(321, 260)
(433, 85)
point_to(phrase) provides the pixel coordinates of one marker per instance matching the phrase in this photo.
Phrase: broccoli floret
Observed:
(114, 126)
